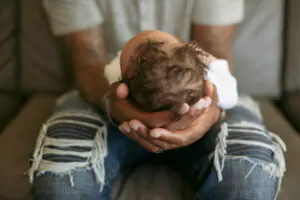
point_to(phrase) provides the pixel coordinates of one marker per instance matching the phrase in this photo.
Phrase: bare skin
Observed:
(200, 117)
(88, 55)
(215, 39)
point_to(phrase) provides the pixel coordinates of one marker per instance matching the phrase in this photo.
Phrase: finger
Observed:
(142, 131)
(180, 109)
(192, 133)
(197, 107)
(124, 128)
(194, 112)
(158, 119)
(162, 145)
(209, 88)
(184, 109)
(215, 97)
(144, 143)
(118, 91)
(122, 91)
(178, 138)
(201, 125)
(165, 135)
(188, 135)
(211, 91)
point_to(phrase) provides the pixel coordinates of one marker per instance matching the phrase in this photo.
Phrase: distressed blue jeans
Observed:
(79, 154)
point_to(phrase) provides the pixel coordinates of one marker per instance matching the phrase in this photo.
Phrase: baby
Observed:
(163, 73)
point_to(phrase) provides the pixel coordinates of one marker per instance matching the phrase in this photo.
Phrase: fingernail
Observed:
(155, 134)
(122, 129)
(126, 128)
(135, 127)
(207, 102)
(184, 109)
(200, 104)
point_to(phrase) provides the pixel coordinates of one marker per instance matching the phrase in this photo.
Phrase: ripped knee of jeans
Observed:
(240, 137)
(60, 151)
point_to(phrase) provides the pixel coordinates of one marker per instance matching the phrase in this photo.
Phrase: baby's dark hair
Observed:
(158, 81)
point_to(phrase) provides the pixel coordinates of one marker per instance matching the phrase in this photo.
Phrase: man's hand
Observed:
(200, 118)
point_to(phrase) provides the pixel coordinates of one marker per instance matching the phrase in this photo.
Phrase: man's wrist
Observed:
(105, 106)
(222, 113)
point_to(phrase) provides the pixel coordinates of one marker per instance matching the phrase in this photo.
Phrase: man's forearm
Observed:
(217, 40)
(88, 56)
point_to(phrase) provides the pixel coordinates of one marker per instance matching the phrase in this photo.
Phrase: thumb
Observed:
(118, 91)
(209, 89)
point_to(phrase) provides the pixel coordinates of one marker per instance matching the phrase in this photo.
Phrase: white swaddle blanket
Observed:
(218, 74)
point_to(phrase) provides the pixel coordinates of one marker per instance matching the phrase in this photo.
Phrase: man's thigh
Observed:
(242, 160)
(79, 151)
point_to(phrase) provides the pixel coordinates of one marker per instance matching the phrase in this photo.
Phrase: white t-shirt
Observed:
(123, 19)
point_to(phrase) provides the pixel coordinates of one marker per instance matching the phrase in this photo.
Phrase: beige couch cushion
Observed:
(40, 58)
(292, 73)
(9, 105)
(291, 106)
(276, 122)
(19, 138)
(16, 144)
(9, 34)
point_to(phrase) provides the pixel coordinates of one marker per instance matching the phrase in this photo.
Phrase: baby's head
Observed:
(163, 73)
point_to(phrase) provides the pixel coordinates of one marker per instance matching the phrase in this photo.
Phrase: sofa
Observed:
(266, 58)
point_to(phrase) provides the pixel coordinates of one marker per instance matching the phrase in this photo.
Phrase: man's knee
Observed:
(248, 161)
(69, 141)
(242, 180)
